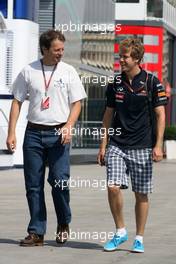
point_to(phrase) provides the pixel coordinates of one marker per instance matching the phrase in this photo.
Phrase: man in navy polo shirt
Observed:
(132, 101)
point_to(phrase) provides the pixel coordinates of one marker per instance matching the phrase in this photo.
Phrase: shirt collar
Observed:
(138, 80)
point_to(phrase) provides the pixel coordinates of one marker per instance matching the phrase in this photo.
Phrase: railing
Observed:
(155, 9)
(169, 14)
(87, 134)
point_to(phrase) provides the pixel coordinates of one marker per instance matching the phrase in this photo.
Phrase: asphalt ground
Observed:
(92, 222)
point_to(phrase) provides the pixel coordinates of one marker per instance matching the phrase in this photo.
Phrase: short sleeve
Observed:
(110, 96)
(159, 94)
(76, 89)
(20, 87)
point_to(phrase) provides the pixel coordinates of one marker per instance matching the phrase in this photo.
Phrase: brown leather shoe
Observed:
(62, 233)
(32, 240)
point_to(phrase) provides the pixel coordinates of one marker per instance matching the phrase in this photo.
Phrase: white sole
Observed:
(109, 250)
(137, 251)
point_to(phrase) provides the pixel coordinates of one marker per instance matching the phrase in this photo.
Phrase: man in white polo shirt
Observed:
(55, 93)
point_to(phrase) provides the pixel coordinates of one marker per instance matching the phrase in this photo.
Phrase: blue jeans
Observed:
(39, 147)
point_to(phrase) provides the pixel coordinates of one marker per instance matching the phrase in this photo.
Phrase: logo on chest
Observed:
(59, 84)
(119, 97)
(120, 94)
(119, 89)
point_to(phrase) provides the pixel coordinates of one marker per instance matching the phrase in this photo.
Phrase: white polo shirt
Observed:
(65, 88)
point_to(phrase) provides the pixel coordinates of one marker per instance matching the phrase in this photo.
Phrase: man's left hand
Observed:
(157, 154)
(66, 132)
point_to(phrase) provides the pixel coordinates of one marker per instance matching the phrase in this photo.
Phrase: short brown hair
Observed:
(136, 46)
(48, 36)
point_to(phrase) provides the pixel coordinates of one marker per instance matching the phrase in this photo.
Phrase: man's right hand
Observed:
(11, 143)
(107, 119)
(14, 114)
(100, 156)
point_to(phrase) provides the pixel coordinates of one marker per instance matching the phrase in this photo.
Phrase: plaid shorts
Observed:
(136, 163)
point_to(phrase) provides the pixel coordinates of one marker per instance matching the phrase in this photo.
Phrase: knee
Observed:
(58, 184)
(114, 190)
(32, 190)
(141, 197)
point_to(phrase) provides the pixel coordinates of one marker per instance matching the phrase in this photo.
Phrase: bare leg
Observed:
(116, 205)
(141, 211)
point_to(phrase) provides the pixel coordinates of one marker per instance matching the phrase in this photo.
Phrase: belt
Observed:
(44, 127)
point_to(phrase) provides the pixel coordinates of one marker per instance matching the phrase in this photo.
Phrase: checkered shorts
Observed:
(136, 163)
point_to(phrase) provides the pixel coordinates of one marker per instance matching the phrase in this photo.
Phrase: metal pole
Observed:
(10, 9)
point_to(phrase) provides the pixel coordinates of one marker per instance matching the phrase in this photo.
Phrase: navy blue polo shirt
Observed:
(132, 115)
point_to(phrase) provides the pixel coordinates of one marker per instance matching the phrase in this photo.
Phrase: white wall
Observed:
(131, 11)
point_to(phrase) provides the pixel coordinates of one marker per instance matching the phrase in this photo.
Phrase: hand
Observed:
(11, 142)
(157, 154)
(66, 134)
(100, 156)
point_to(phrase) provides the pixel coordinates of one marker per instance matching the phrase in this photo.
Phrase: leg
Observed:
(34, 171)
(116, 177)
(141, 178)
(140, 161)
(116, 205)
(59, 174)
(141, 212)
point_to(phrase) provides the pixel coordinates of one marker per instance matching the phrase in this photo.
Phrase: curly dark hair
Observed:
(48, 36)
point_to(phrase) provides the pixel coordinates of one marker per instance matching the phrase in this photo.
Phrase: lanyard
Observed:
(44, 77)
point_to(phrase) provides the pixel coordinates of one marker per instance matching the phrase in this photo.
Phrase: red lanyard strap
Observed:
(44, 77)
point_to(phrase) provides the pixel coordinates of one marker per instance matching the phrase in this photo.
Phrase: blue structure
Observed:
(22, 9)
(3, 8)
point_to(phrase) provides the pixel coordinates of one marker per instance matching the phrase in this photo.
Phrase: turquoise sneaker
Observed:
(115, 242)
(138, 246)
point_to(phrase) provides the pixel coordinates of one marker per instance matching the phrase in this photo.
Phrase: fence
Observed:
(87, 134)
